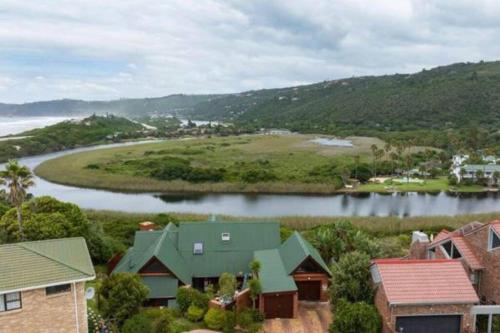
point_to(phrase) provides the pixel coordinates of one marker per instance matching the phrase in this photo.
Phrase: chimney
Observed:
(419, 244)
(147, 226)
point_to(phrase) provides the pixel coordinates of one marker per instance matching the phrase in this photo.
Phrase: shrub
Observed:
(120, 296)
(215, 319)
(138, 323)
(355, 317)
(188, 296)
(351, 278)
(227, 285)
(229, 322)
(163, 322)
(195, 313)
(245, 319)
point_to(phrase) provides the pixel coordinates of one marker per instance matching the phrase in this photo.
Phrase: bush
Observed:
(257, 175)
(355, 317)
(47, 218)
(229, 322)
(351, 279)
(195, 313)
(138, 323)
(215, 319)
(163, 323)
(190, 296)
(121, 296)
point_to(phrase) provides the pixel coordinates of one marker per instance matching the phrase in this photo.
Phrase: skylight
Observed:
(198, 248)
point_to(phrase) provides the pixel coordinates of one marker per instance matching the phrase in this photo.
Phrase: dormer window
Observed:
(198, 248)
(494, 241)
(450, 250)
(226, 236)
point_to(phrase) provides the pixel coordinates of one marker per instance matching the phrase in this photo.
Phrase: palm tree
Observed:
(18, 179)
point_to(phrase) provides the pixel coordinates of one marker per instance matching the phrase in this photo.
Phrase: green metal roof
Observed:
(161, 286)
(273, 276)
(296, 249)
(220, 256)
(33, 264)
(247, 240)
(158, 244)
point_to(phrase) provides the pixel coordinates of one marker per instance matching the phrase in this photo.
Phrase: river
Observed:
(266, 205)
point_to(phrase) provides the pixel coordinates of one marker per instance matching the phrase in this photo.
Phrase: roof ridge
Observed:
(302, 244)
(61, 262)
(413, 261)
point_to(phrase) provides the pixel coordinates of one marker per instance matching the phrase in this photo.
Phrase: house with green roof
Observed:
(42, 285)
(197, 253)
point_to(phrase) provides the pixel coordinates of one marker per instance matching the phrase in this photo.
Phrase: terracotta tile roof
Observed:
(467, 252)
(425, 282)
(442, 235)
(496, 226)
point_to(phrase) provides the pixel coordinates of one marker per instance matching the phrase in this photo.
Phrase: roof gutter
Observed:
(47, 285)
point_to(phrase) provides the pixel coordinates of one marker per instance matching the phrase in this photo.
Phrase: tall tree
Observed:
(18, 179)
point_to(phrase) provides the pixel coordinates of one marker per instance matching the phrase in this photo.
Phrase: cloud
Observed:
(132, 48)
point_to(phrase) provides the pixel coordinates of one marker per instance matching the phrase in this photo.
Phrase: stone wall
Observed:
(47, 314)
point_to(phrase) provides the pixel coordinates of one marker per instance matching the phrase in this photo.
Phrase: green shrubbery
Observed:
(47, 218)
(195, 313)
(190, 296)
(215, 319)
(355, 317)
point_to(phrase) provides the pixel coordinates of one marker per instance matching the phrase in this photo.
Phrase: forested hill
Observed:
(126, 107)
(452, 96)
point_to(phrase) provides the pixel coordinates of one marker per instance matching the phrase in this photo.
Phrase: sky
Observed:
(101, 50)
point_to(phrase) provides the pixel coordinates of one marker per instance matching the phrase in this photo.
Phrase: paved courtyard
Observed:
(313, 318)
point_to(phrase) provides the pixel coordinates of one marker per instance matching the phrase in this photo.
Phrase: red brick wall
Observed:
(418, 250)
(490, 276)
(383, 308)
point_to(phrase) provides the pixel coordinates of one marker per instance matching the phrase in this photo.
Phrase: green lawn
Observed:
(429, 185)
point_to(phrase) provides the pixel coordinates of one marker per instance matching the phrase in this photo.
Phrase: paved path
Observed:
(312, 318)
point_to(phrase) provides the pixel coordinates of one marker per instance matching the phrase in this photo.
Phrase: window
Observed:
(450, 250)
(198, 248)
(62, 288)
(494, 240)
(432, 253)
(11, 301)
(226, 236)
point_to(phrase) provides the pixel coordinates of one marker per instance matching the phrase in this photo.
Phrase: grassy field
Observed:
(125, 224)
(292, 158)
(429, 185)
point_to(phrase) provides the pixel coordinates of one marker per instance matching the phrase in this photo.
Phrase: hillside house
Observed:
(491, 172)
(196, 254)
(42, 286)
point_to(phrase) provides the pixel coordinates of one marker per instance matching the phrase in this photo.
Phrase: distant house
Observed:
(489, 171)
(459, 160)
(42, 286)
(196, 254)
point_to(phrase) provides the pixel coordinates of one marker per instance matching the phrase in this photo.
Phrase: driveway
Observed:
(313, 318)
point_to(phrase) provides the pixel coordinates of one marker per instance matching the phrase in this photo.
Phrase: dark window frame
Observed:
(5, 302)
(494, 240)
(58, 289)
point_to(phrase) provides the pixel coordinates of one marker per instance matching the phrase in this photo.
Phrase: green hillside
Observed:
(69, 134)
(453, 96)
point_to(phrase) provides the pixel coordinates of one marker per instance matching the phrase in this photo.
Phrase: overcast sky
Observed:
(107, 49)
